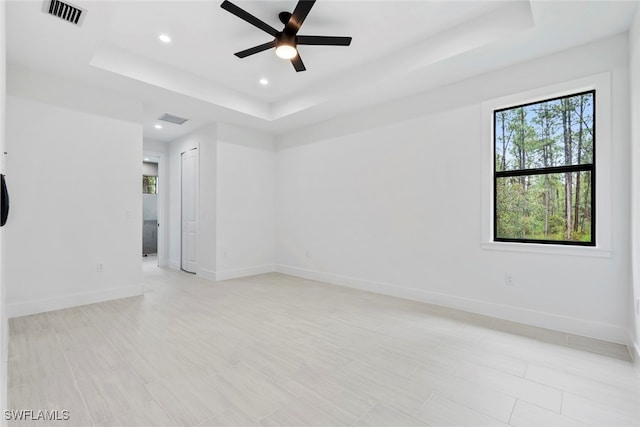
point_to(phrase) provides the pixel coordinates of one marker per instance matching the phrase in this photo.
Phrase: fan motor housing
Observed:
(284, 17)
(283, 38)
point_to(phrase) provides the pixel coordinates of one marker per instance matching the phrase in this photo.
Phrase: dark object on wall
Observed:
(4, 202)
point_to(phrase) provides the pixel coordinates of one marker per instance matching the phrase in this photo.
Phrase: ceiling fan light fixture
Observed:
(286, 51)
(287, 40)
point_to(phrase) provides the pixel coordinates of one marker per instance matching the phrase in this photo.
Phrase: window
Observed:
(544, 171)
(149, 184)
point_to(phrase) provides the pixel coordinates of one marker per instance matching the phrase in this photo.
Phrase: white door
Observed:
(190, 210)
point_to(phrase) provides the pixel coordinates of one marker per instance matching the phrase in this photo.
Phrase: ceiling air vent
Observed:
(65, 11)
(172, 119)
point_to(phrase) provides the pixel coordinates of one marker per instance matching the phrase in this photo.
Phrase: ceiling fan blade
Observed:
(323, 40)
(246, 16)
(298, 16)
(255, 49)
(297, 63)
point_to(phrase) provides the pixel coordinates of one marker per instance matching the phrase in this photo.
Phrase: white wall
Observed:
(205, 141)
(155, 146)
(75, 197)
(245, 202)
(149, 168)
(236, 206)
(634, 50)
(394, 206)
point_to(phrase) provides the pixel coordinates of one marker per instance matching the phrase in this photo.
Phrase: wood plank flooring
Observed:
(275, 351)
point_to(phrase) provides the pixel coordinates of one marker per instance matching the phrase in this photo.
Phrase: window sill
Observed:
(582, 251)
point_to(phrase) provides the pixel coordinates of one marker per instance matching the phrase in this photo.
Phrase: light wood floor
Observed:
(274, 350)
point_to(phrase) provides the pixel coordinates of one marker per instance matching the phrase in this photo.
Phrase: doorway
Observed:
(189, 210)
(150, 208)
(154, 191)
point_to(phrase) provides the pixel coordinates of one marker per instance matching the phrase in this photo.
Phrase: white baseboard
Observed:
(244, 272)
(206, 274)
(229, 274)
(570, 325)
(634, 348)
(72, 300)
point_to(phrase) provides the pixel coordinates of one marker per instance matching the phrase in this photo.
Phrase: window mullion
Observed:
(542, 171)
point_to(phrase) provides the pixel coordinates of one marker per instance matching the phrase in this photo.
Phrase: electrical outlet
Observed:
(100, 268)
(637, 306)
(307, 254)
(508, 280)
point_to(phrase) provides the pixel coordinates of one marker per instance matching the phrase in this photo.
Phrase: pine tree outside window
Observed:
(544, 171)
(149, 184)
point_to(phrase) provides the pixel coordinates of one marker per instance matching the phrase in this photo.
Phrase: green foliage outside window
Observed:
(545, 171)
(149, 184)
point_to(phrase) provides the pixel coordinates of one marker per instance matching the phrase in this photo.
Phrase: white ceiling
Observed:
(399, 48)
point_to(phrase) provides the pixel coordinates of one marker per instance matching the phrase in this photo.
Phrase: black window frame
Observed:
(591, 167)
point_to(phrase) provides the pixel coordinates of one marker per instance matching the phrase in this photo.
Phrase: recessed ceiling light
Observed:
(264, 81)
(146, 159)
(158, 126)
(164, 38)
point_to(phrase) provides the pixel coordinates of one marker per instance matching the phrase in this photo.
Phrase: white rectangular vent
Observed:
(65, 11)
(172, 119)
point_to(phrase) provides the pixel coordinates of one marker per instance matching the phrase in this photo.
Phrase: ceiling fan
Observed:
(287, 40)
